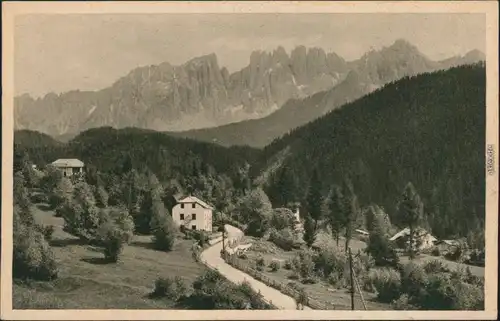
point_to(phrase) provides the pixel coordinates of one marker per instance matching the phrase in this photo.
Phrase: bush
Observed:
(329, 260)
(306, 268)
(413, 280)
(172, 288)
(402, 303)
(212, 291)
(382, 251)
(435, 266)
(282, 218)
(310, 280)
(435, 251)
(288, 265)
(243, 256)
(260, 262)
(115, 230)
(333, 279)
(284, 239)
(294, 276)
(275, 265)
(163, 232)
(387, 283)
(47, 232)
(32, 256)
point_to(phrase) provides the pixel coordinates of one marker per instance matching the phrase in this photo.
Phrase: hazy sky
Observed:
(88, 52)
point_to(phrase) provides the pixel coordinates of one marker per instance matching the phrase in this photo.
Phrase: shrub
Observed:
(163, 229)
(387, 283)
(288, 265)
(164, 287)
(435, 266)
(212, 291)
(413, 280)
(275, 265)
(310, 280)
(172, 288)
(115, 230)
(283, 239)
(282, 218)
(402, 303)
(260, 262)
(329, 260)
(243, 256)
(435, 251)
(294, 276)
(47, 232)
(306, 268)
(382, 251)
(32, 256)
(333, 279)
(81, 215)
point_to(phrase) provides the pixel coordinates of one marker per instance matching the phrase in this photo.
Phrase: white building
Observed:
(423, 238)
(69, 167)
(193, 213)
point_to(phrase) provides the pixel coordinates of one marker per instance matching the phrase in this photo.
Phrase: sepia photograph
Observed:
(286, 160)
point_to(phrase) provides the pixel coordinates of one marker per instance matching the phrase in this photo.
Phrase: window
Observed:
(193, 216)
(194, 205)
(182, 216)
(182, 205)
(193, 227)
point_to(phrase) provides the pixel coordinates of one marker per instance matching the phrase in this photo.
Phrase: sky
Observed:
(58, 53)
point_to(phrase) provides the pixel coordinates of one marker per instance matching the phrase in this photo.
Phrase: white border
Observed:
(9, 10)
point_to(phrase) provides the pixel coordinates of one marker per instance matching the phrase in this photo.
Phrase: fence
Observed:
(283, 288)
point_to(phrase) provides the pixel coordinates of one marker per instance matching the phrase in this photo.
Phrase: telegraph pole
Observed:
(223, 238)
(352, 279)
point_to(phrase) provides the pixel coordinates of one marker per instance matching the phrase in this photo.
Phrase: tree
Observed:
(116, 228)
(410, 210)
(380, 248)
(284, 191)
(62, 191)
(352, 211)
(152, 192)
(335, 212)
(375, 217)
(314, 200)
(255, 210)
(310, 231)
(282, 218)
(32, 255)
(81, 215)
(162, 227)
(20, 193)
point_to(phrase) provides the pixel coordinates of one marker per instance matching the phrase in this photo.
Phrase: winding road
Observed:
(211, 257)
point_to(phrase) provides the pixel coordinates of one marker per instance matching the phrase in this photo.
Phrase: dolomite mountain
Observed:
(201, 94)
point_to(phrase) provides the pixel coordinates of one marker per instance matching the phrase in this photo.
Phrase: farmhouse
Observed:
(423, 239)
(193, 213)
(69, 167)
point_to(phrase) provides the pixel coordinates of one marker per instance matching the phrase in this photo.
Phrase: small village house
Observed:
(423, 239)
(193, 213)
(69, 167)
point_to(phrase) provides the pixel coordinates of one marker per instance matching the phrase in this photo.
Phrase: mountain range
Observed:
(276, 91)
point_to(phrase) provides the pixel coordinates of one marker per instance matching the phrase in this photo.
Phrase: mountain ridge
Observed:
(201, 94)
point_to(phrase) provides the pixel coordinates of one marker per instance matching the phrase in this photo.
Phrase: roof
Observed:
(406, 231)
(193, 199)
(68, 162)
(399, 234)
(362, 232)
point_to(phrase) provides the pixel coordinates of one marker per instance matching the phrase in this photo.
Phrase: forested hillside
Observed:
(30, 138)
(428, 130)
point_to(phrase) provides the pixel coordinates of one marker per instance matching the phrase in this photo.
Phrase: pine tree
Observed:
(310, 231)
(352, 211)
(411, 211)
(314, 200)
(335, 212)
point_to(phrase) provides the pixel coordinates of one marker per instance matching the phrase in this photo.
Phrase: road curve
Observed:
(211, 257)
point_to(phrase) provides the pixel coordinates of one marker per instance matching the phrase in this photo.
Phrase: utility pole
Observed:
(352, 279)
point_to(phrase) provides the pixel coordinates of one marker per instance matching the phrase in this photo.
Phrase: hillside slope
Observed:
(428, 129)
